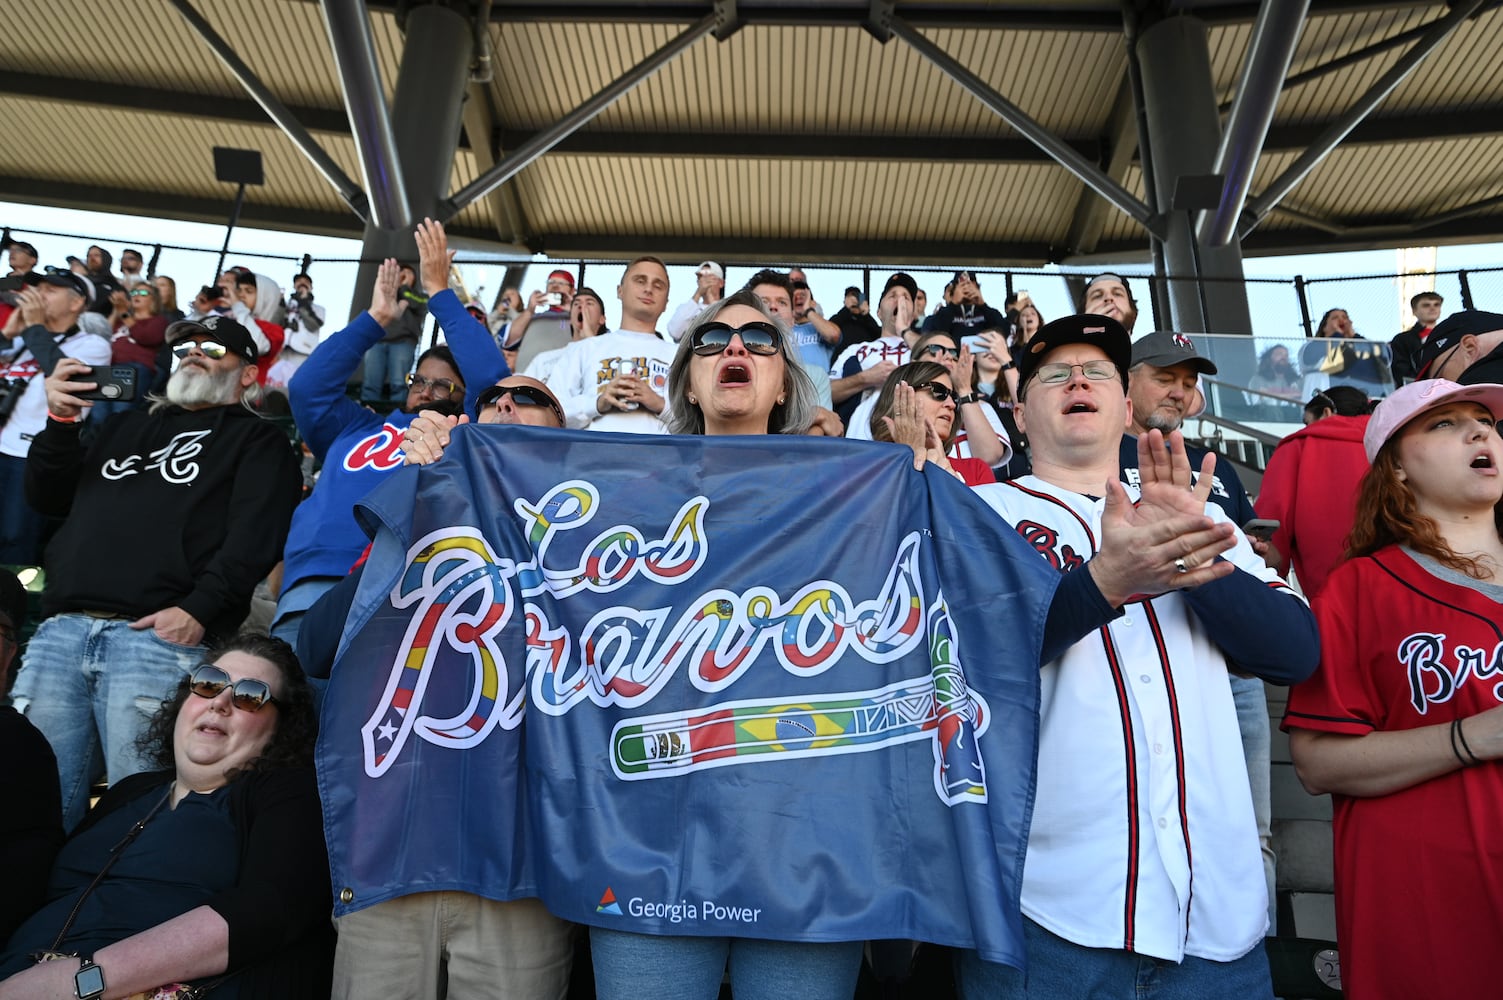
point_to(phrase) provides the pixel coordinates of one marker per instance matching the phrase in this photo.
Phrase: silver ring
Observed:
(1180, 567)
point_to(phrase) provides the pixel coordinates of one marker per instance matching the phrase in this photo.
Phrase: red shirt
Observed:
(1419, 872)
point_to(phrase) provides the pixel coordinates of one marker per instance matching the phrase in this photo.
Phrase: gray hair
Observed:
(794, 416)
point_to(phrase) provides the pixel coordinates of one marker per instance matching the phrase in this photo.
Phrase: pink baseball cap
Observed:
(1417, 397)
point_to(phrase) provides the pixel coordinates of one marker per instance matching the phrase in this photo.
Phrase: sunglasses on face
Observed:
(714, 338)
(940, 351)
(1059, 372)
(938, 391)
(211, 349)
(139, 293)
(248, 694)
(441, 388)
(521, 395)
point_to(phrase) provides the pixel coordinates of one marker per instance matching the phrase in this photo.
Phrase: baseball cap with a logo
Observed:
(225, 330)
(1416, 398)
(1082, 328)
(1163, 349)
(1448, 333)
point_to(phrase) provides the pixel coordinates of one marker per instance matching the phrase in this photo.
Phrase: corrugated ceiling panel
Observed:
(826, 80)
(1386, 187)
(811, 199)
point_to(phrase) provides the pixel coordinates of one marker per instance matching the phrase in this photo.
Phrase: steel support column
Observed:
(1179, 100)
(349, 30)
(1268, 56)
(1259, 207)
(523, 155)
(276, 110)
(425, 123)
(1087, 172)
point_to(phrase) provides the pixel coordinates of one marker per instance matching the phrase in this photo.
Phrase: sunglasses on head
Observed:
(714, 338)
(521, 395)
(212, 349)
(442, 388)
(938, 391)
(248, 694)
(940, 351)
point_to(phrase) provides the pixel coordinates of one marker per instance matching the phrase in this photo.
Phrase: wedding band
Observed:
(1180, 567)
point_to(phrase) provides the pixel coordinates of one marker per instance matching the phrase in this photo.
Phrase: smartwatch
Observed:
(88, 981)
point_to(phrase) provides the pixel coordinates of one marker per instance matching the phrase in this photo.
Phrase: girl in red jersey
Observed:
(1403, 722)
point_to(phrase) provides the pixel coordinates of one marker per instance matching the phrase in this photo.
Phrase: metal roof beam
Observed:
(1088, 173)
(742, 250)
(1269, 53)
(354, 50)
(1090, 211)
(1257, 210)
(521, 157)
(322, 162)
(802, 146)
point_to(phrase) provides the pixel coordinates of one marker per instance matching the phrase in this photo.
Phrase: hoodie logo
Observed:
(174, 460)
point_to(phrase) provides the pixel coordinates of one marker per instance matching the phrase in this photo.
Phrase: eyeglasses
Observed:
(938, 391)
(441, 388)
(1059, 372)
(521, 395)
(139, 293)
(714, 338)
(249, 694)
(212, 349)
(940, 351)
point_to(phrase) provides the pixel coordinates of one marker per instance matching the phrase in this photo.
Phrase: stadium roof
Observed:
(796, 135)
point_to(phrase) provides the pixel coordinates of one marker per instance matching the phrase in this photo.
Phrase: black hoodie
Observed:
(185, 508)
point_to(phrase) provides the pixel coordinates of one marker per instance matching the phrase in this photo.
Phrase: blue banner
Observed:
(766, 687)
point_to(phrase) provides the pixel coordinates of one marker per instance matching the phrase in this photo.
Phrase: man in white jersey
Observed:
(1143, 876)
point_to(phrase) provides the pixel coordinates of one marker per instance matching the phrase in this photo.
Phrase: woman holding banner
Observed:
(732, 375)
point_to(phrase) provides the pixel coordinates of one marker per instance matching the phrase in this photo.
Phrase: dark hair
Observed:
(1265, 360)
(768, 276)
(303, 274)
(1388, 514)
(1320, 328)
(914, 373)
(1341, 400)
(440, 353)
(297, 722)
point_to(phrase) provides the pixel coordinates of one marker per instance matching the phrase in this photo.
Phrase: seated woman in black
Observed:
(226, 879)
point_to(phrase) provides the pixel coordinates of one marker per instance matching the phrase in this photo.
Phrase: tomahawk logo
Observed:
(608, 903)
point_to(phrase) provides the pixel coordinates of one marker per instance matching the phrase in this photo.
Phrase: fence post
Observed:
(866, 283)
(1155, 294)
(1304, 305)
(579, 282)
(1466, 290)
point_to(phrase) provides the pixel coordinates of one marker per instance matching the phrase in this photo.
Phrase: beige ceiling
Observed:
(806, 140)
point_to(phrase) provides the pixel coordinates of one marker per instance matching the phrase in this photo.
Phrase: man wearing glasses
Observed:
(174, 514)
(359, 448)
(1143, 860)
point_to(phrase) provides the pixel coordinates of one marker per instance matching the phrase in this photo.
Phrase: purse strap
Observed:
(115, 852)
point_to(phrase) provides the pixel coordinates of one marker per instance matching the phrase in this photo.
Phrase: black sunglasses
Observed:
(714, 338)
(249, 694)
(521, 395)
(939, 392)
(939, 350)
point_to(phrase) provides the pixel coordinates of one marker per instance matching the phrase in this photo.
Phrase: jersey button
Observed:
(1163, 822)
(1158, 748)
(1144, 678)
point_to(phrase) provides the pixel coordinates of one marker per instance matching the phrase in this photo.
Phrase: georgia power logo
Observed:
(678, 912)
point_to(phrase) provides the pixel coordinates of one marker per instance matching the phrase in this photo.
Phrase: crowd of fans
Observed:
(137, 468)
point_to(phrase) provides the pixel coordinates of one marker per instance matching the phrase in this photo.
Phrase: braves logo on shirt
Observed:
(1045, 541)
(174, 460)
(1432, 682)
(381, 451)
(877, 351)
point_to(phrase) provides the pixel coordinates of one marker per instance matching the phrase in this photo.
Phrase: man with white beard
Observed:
(174, 514)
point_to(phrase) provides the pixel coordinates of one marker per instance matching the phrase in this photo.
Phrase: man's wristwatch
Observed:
(88, 981)
(969, 397)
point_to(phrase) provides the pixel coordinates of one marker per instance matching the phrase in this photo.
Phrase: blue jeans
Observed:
(20, 526)
(387, 364)
(1059, 969)
(631, 966)
(1251, 700)
(91, 686)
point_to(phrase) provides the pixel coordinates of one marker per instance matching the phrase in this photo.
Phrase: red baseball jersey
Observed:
(1419, 872)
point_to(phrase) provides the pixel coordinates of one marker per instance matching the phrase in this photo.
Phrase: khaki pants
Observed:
(410, 947)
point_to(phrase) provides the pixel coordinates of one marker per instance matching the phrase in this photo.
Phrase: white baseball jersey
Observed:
(1143, 835)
